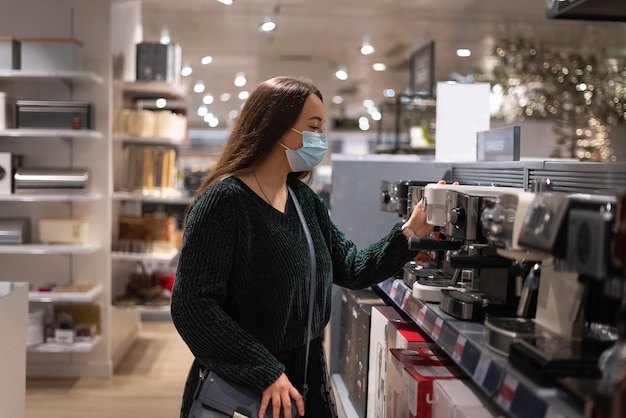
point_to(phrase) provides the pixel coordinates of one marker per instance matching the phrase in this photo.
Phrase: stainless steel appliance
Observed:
(50, 180)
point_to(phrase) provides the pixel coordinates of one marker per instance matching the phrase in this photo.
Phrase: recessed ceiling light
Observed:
(206, 60)
(389, 93)
(160, 103)
(208, 99)
(186, 71)
(463, 52)
(198, 87)
(341, 74)
(226, 2)
(367, 49)
(267, 26)
(379, 66)
(225, 97)
(337, 99)
(243, 95)
(240, 80)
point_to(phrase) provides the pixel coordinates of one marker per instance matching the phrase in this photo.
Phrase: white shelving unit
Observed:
(36, 263)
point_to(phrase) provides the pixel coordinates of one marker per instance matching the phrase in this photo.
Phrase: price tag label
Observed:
(507, 392)
(421, 315)
(459, 346)
(481, 369)
(437, 329)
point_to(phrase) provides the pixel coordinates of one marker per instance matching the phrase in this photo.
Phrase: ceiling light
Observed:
(267, 26)
(463, 52)
(367, 103)
(240, 80)
(206, 60)
(165, 36)
(202, 110)
(341, 74)
(233, 114)
(243, 95)
(376, 115)
(208, 99)
(337, 99)
(186, 71)
(225, 97)
(198, 87)
(226, 2)
(160, 103)
(364, 123)
(367, 48)
(389, 93)
(379, 66)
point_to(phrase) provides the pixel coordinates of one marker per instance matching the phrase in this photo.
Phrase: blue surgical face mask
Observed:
(314, 146)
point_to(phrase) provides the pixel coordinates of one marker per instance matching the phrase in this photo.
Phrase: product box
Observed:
(354, 346)
(456, 398)
(9, 54)
(63, 231)
(158, 62)
(51, 54)
(410, 377)
(387, 330)
(382, 318)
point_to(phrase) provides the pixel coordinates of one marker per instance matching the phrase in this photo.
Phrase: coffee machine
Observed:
(576, 302)
(480, 278)
(424, 271)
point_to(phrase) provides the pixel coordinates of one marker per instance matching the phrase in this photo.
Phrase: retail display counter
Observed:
(464, 342)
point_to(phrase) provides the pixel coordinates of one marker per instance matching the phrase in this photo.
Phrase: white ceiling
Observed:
(318, 36)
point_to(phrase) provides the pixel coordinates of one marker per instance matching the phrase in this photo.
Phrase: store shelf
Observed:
(464, 342)
(77, 297)
(77, 347)
(168, 198)
(50, 248)
(152, 140)
(52, 197)
(128, 256)
(144, 89)
(50, 133)
(67, 76)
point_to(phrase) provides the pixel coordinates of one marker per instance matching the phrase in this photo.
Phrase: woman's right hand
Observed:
(282, 393)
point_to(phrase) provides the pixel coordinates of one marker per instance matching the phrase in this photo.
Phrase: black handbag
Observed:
(233, 399)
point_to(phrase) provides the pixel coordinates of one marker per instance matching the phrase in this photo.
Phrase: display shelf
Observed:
(77, 347)
(52, 197)
(152, 140)
(50, 248)
(143, 89)
(66, 75)
(77, 297)
(167, 198)
(464, 342)
(50, 133)
(160, 256)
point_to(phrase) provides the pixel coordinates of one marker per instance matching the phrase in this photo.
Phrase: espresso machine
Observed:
(424, 271)
(579, 290)
(480, 281)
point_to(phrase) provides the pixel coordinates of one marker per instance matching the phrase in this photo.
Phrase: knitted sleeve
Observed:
(207, 254)
(356, 269)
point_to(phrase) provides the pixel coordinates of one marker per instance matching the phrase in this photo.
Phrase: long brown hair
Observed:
(272, 108)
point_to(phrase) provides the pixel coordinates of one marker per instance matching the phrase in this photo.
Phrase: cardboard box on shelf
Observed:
(410, 377)
(356, 308)
(457, 398)
(51, 54)
(9, 53)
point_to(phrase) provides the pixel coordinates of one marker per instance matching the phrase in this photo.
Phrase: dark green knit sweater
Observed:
(241, 290)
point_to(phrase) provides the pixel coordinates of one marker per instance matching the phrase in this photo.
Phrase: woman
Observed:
(240, 298)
